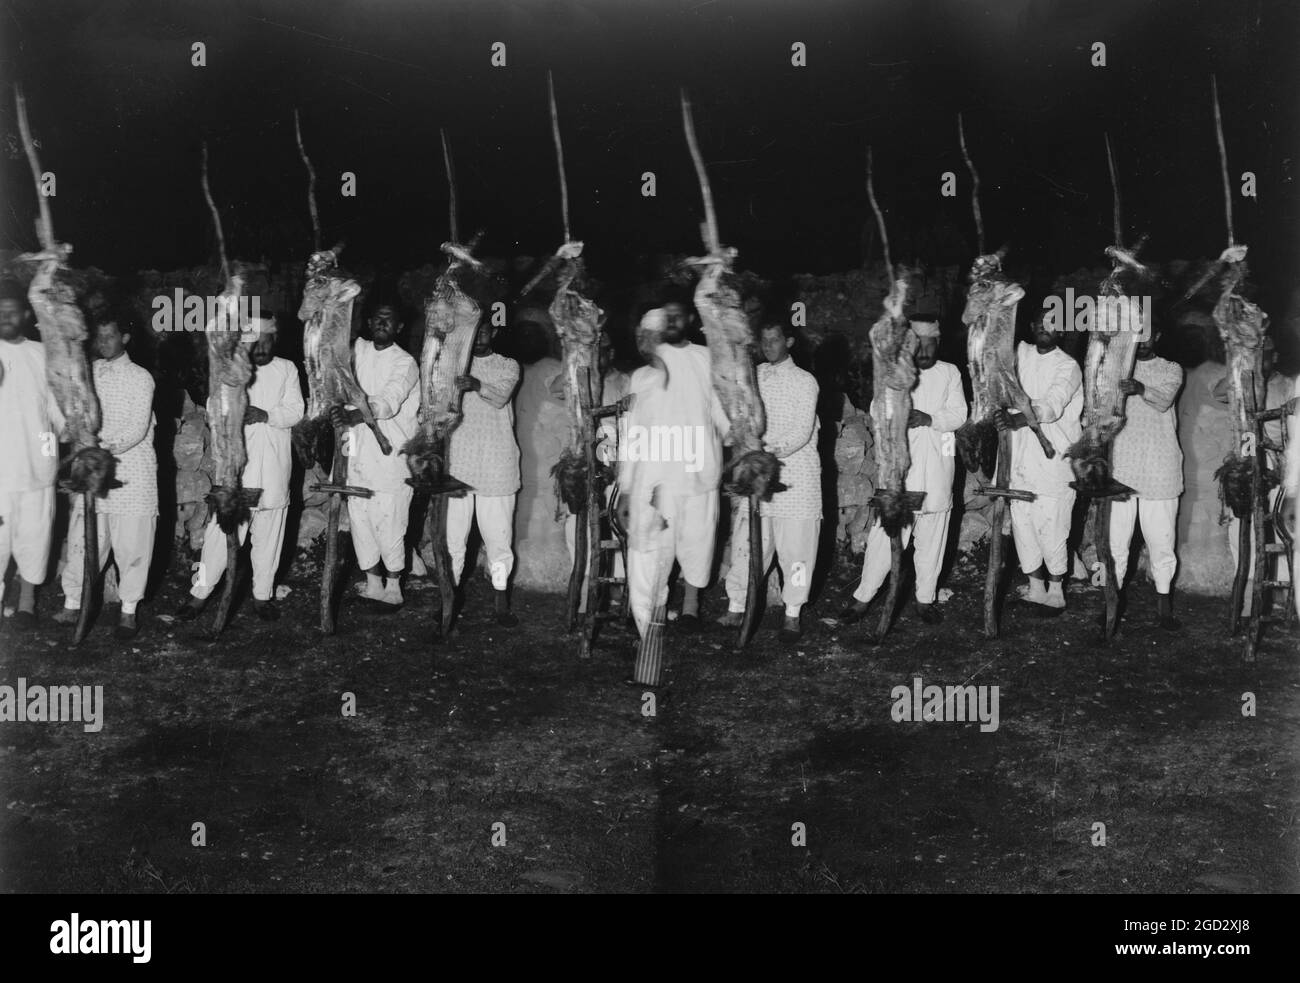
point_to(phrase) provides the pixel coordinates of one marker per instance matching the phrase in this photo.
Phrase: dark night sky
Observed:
(120, 114)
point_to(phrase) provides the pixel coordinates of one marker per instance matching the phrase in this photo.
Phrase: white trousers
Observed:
(28, 519)
(793, 542)
(929, 532)
(1158, 519)
(1040, 529)
(686, 536)
(266, 527)
(379, 528)
(128, 537)
(495, 515)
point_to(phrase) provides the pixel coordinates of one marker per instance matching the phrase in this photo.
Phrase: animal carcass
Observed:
(326, 314)
(990, 318)
(1112, 350)
(1241, 325)
(451, 319)
(229, 372)
(752, 470)
(577, 320)
(67, 371)
(893, 365)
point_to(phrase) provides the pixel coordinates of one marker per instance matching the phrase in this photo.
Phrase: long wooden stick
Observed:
(311, 184)
(1114, 193)
(975, 185)
(559, 155)
(45, 225)
(216, 217)
(712, 241)
(1223, 159)
(880, 219)
(452, 224)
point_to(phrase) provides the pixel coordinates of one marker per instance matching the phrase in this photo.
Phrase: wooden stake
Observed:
(1114, 194)
(880, 219)
(311, 184)
(45, 224)
(975, 186)
(451, 188)
(216, 217)
(559, 155)
(1223, 159)
(712, 241)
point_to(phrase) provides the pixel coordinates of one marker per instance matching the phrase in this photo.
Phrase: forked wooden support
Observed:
(1000, 493)
(337, 491)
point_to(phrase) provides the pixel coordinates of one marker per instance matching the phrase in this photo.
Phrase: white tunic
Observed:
(275, 389)
(391, 379)
(125, 392)
(1054, 385)
(29, 459)
(790, 404)
(939, 393)
(691, 422)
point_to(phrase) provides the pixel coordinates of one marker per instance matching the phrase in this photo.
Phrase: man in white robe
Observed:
(1147, 458)
(484, 454)
(29, 457)
(127, 517)
(938, 409)
(1053, 382)
(275, 404)
(791, 522)
(669, 471)
(390, 379)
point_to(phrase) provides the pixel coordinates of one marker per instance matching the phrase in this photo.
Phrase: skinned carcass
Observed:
(1117, 330)
(229, 371)
(752, 470)
(451, 320)
(990, 319)
(893, 366)
(1242, 327)
(577, 319)
(326, 314)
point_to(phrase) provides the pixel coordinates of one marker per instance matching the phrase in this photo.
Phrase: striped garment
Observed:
(125, 392)
(789, 397)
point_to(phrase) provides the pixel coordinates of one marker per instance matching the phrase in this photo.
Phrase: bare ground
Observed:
(245, 734)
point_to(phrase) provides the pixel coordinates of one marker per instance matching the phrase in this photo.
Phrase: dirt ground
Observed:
(246, 735)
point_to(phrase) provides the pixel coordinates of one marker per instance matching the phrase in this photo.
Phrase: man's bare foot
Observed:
(731, 619)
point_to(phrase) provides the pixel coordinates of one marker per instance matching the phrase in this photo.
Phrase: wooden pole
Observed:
(975, 186)
(311, 184)
(1114, 194)
(754, 590)
(44, 224)
(216, 218)
(329, 574)
(452, 224)
(895, 576)
(712, 241)
(880, 218)
(997, 542)
(1223, 159)
(559, 155)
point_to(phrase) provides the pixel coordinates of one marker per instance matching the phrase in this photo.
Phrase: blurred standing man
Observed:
(938, 408)
(668, 502)
(792, 520)
(275, 404)
(1148, 459)
(485, 455)
(1053, 382)
(391, 381)
(127, 516)
(29, 452)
